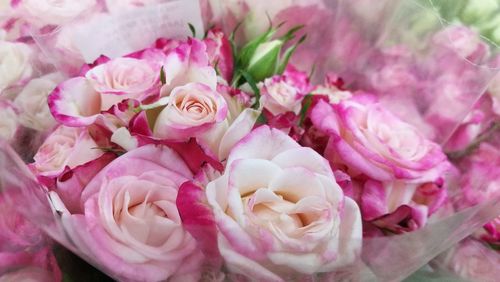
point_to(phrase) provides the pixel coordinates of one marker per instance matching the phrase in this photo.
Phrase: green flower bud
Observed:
(264, 61)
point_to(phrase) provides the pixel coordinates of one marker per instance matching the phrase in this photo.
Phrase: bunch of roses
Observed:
(180, 158)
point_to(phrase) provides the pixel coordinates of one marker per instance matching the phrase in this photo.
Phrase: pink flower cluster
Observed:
(164, 165)
(197, 158)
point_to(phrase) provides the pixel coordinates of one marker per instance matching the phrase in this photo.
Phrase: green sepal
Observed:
(306, 104)
(163, 78)
(193, 30)
(288, 54)
(247, 52)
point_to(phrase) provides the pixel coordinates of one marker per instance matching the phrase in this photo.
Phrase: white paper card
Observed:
(115, 35)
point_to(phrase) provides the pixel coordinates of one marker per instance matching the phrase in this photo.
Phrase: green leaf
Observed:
(261, 119)
(305, 107)
(163, 79)
(288, 54)
(250, 80)
(193, 30)
(116, 151)
(494, 246)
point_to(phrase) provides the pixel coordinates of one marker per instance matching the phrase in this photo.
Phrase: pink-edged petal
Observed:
(220, 53)
(70, 184)
(338, 148)
(373, 200)
(124, 139)
(198, 220)
(102, 249)
(240, 127)
(280, 121)
(323, 118)
(238, 263)
(431, 195)
(139, 124)
(233, 233)
(304, 157)
(190, 151)
(403, 219)
(262, 143)
(350, 238)
(159, 157)
(75, 103)
(188, 63)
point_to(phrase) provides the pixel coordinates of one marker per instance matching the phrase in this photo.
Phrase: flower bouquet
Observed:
(271, 145)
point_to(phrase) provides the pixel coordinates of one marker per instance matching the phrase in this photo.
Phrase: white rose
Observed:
(279, 210)
(14, 63)
(32, 102)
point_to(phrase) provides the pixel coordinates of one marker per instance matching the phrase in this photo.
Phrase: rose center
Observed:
(275, 214)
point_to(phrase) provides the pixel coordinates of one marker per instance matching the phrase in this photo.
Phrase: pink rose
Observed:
(462, 41)
(130, 223)
(332, 88)
(293, 217)
(281, 94)
(187, 63)
(367, 139)
(216, 120)
(220, 53)
(480, 182)
(79, 101)
(472, 260)
(397, 206)
(394, 71)
(65, 147)
(192, 109)
(125, 77)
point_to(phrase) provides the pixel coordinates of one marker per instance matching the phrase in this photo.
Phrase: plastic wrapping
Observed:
(351, 38)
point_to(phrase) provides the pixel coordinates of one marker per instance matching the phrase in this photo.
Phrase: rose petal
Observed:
(296, 183)
(198, 219)
(75, 103)
(262, 143)
(304, 157)
(240, 127)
